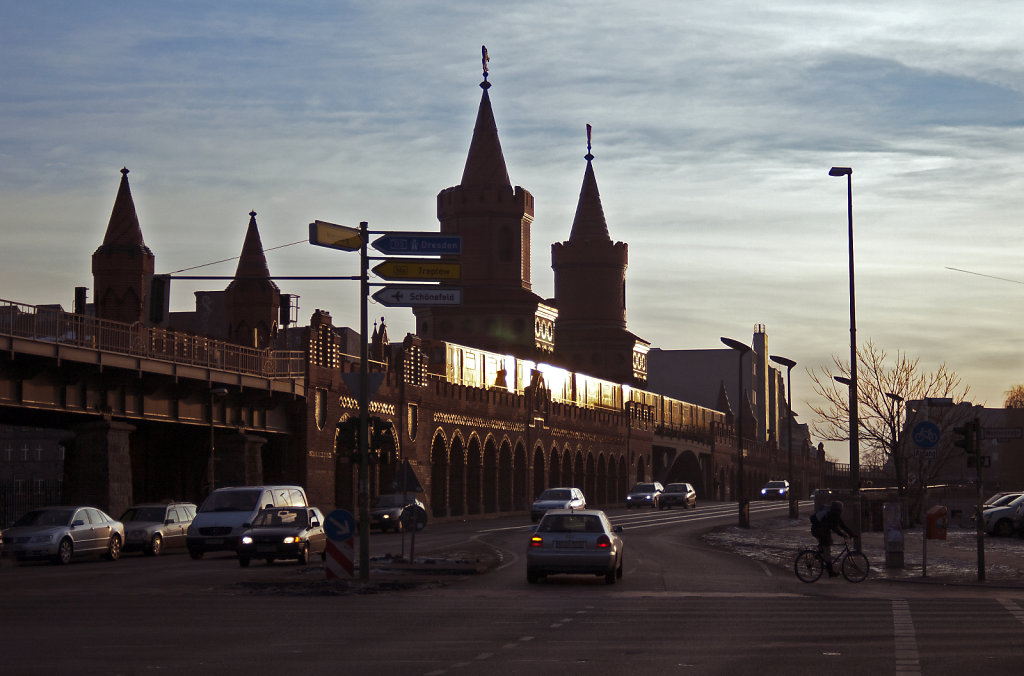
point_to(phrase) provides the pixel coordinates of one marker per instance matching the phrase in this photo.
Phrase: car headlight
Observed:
(246, 539)
(290, 540)
(385, 516)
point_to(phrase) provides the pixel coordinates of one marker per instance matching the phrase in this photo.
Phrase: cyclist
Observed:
(823, 523)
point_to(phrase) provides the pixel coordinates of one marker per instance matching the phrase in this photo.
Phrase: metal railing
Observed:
(51, 325)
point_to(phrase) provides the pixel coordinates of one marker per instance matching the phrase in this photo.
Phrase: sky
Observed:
(714, 127)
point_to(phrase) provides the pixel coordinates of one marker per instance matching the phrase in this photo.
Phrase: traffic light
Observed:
(965, 437)
(346, 439)
(382, 440)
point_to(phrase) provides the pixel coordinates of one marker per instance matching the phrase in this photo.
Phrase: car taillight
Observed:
(536, 541)
(603, 542)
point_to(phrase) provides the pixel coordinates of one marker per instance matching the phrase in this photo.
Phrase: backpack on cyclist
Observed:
(816, 521)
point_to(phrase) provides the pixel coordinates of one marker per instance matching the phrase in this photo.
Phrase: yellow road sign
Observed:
(421, 269)
(331, 235)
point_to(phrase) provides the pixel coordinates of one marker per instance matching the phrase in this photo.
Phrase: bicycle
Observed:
(811, 563)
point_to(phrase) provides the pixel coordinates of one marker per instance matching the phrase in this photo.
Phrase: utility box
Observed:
(892, 524)
(937, 519)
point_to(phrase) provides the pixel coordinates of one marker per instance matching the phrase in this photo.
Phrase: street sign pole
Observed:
(364, 411)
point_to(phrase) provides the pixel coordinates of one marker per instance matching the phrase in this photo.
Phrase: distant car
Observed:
(283, 533)
(64, 532)
(574, 541)
(775, 490)
(677, 495)
(644, 495)
(999, 520)
(154, 527)
(557, 498)
(398, 512)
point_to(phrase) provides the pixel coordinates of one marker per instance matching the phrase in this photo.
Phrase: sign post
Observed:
(339, 526)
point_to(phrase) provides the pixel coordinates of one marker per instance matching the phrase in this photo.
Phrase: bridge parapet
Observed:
(53, 326)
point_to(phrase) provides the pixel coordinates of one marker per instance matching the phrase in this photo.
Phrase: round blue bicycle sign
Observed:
(926, 434)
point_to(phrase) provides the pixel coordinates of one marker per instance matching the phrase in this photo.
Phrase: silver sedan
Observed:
(61, 533)
(574, 541)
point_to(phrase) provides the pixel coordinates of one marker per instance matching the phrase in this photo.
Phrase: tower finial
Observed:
(588, 156)
(484, 58)
(124, 171)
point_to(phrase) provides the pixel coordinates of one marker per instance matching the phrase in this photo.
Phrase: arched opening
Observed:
(591, 476)
(554, 473)
(578, 477)
(567, 469)
(438, 476)
(538, 469)
(520, 479)
(687, 468)
(490, 481)
(474, 500)
(505, 477)
(641, 473)
(456, 478)
(602, 481)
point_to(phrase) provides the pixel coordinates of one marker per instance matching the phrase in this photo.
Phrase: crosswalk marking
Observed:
(908, 660)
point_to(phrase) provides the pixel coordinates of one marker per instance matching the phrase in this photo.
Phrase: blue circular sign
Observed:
(926, 434)
(340, 525)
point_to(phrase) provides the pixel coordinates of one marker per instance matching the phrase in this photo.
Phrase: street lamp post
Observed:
(789, 364)
(854, 421)
(744, 504)
(211, 473)
(856, 485)
(897, 461)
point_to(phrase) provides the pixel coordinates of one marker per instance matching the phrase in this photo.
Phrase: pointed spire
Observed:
(123, 229)
(485, 164)
(252, 262)
(589, 223)
(723, 402)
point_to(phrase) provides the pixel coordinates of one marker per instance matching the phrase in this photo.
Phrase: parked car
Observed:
(64, 532)
(283, 533)
(557, 498)
(677, 495)
(398, 512)
(574, 541)
(1000, 499)
(999, 520)
(156, 526)
(644, 495)
(217, 526)
(775, 490)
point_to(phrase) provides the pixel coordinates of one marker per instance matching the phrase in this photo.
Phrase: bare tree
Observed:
(1014, 397)
(884, 388)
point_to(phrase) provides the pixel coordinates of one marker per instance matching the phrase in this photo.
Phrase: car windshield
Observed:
(776, 484)
(232, 501)
(270, 518)
(45, 517)
(556, 494)
(395, 500)
(675, 488)
(1002, 500)
(643, 488)
(570, 523)
(144, 514)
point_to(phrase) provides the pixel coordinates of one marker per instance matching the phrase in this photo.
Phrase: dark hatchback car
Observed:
(283, 533)
(644, 495)
(677, 495)
(775, 490)
(398, 512)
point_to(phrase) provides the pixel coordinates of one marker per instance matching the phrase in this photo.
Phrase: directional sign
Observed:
(340, 525)
(422, 269)
(331, 235)
(402, 296)
(418, 244)
(926, 434)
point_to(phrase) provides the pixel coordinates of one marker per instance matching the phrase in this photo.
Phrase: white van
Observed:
(219, 521)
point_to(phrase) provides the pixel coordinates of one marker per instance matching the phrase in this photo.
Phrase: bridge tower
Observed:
(122, 266)
(590, 292)
(252, 298)
(499, 309)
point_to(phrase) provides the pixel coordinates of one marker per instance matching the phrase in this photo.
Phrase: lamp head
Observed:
(783, 361)
(840, 171)
(736, 345)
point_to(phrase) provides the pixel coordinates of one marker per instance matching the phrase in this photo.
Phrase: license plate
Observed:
(569, 544)
(265, 549)
(215, 541)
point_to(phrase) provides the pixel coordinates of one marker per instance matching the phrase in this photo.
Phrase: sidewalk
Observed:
(951, 561)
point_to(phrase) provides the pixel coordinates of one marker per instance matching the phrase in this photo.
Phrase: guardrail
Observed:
(53, 325)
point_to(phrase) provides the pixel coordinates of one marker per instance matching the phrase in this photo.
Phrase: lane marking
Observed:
(908, 660)
(1014, 609)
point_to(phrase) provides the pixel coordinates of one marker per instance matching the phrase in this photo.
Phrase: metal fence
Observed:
(18, 497)
(51, 325)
